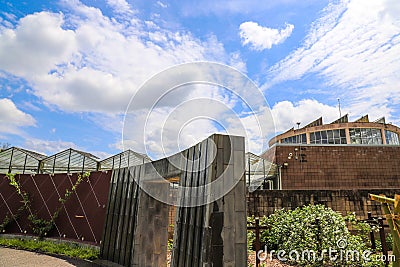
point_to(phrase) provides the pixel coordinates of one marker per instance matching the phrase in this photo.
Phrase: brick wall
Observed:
(337, 167)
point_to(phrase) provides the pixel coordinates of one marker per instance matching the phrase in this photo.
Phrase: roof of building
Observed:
(341, 123)
(19, 160)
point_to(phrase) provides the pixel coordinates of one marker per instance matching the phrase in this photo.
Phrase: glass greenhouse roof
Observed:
(69, 161)
(18, 160)
(124, 159)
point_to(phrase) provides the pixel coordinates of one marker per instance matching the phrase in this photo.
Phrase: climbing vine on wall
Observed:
(25, 202)
(39, 225)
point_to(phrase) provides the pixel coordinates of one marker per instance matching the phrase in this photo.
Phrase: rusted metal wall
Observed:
(81, 218)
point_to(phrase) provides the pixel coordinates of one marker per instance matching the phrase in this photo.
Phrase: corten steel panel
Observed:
(213, 234)
(82, 216)
(135, 230)
(136, 227)
(338, 167)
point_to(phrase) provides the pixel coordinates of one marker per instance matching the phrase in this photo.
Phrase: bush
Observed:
(251, 236)
(297, 230)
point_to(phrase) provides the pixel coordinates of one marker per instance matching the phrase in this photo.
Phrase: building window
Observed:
(392, 138)
(297, 139)
(365, 136)
(328, 137)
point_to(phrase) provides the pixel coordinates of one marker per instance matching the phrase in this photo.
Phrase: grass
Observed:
(67, 249)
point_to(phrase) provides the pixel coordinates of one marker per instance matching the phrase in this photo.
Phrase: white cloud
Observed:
(286, 114)
(85, 61)
(120, 6)
(161, 4)
(11, 118)
(260, 38)
(354, 47)
(36, 46)
(51, 147)
(97, 56)
(48, 147)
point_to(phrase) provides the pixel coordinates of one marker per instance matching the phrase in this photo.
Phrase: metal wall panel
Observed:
(210, 226)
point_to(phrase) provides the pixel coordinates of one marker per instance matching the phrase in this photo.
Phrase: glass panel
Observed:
(312, 138)
(304, 138)
(323, 135)
(318, 137)
(357, 133)
(342, 133)
(392, 138)
(330, 135)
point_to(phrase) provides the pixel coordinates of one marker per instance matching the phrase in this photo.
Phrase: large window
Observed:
(392, 138)
(297, 139)
(328, 137)
(365, 136)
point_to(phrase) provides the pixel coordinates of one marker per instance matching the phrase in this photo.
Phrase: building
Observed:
(339, 155)
(22, 161)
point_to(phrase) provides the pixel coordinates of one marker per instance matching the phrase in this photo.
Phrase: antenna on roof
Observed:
(340, 111)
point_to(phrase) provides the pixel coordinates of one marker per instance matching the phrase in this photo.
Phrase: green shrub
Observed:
(297, 230)
(251, 236)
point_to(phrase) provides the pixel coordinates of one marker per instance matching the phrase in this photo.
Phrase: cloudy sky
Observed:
(69, 69)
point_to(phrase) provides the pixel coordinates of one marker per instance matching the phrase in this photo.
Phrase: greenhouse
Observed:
(69, 161)
(18, 160)
(260, 173)
(124, 159)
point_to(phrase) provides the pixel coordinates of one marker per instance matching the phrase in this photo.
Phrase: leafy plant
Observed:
(170, 244)
(5, 222)
(40, 226)
(24, 195)
(315, 228)
(251, 236)
(389, 241)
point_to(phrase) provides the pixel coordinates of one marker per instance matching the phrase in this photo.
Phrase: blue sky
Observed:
(68, 69)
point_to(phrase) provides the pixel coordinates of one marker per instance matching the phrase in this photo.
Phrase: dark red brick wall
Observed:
(338, 167)
(84, 212)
